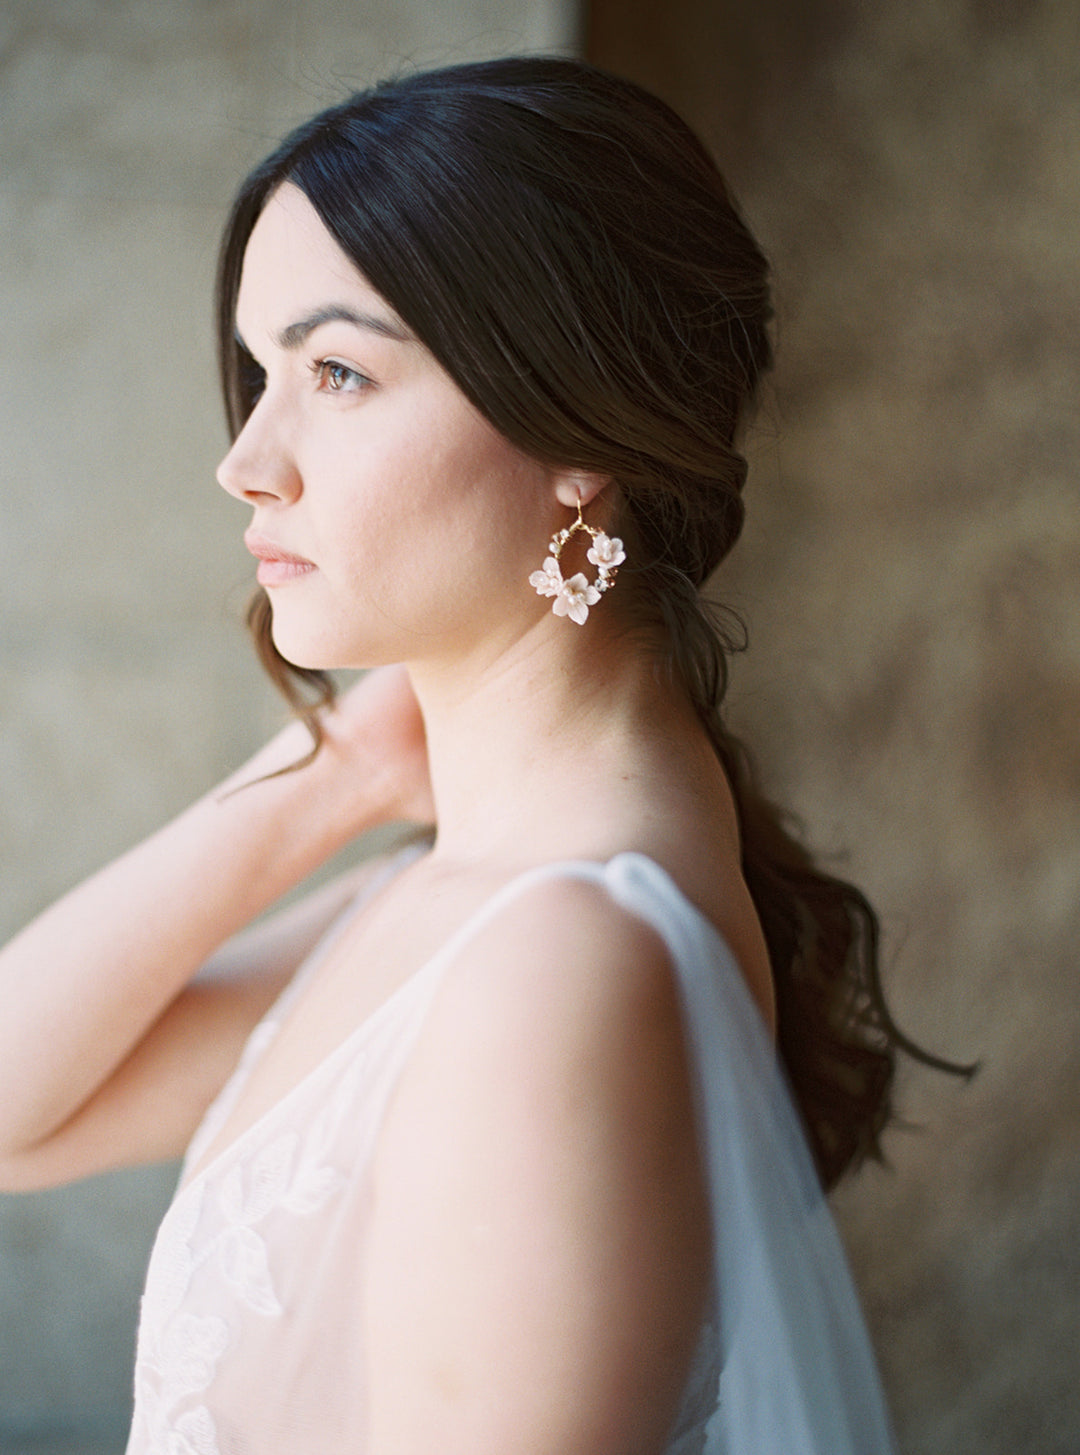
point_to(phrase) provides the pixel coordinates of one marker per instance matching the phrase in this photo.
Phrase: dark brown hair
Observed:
(566, 248)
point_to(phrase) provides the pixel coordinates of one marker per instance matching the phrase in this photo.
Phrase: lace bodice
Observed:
(255, 1282)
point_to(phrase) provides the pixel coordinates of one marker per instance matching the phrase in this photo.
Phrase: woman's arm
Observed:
(539, 1252)
(97, 1041)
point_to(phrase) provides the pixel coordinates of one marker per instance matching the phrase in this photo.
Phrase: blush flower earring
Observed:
(573, 597)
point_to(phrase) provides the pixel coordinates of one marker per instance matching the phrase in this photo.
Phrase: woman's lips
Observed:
(276, 565)
(277, 573)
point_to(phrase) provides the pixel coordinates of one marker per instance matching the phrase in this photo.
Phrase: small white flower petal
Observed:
(548, 581)
(575, 598)
(606, 551)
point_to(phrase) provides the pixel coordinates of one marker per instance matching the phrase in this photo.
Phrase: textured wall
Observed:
(909, 573)
(126, 684)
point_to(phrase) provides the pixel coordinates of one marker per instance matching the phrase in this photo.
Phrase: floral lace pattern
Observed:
(234, 1235)
(179, 1352)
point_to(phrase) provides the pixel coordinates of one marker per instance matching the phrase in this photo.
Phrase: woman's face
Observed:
(392, 522)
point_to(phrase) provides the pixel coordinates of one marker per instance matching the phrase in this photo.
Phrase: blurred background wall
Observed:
(126, 681)
(908, 574)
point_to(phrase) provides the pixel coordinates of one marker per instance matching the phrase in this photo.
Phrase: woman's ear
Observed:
(578, 487)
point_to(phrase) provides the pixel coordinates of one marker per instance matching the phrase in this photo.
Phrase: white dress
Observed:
(255, 1276)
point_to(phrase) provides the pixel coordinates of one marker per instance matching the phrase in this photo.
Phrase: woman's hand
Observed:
(377, 725)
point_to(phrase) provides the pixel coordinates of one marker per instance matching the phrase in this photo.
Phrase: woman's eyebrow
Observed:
(294, 334)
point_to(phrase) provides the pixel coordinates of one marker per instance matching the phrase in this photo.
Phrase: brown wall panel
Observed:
(910, 574)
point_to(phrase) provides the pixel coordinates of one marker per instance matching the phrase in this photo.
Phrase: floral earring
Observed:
(574, 597)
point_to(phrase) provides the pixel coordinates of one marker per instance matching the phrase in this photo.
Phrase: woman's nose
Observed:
(258, 465)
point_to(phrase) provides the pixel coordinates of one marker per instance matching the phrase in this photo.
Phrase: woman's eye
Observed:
(338, 378)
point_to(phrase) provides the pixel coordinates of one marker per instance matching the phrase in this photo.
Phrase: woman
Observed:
(507, 1163)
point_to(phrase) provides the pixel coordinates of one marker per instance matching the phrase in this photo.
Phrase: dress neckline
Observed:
(197, 1168)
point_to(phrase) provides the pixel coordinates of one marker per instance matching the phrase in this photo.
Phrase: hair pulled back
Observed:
(565, 247)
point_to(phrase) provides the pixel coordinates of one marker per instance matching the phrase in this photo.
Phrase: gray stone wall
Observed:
(127, 686)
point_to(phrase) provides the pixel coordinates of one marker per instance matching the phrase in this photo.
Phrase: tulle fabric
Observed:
(797, 1372)
(248, 1339)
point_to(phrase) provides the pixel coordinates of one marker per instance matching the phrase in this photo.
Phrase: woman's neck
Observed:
(532, 750)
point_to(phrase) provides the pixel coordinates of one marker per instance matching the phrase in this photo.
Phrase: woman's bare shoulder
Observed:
(540, 1165)
(563, 950)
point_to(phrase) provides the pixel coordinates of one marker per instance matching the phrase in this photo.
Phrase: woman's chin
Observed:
(315, 654)
(299, 650)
